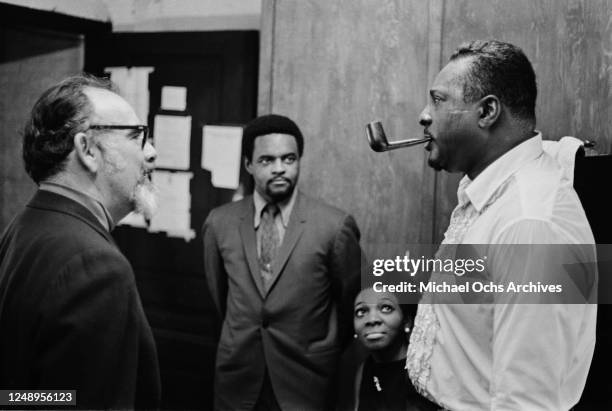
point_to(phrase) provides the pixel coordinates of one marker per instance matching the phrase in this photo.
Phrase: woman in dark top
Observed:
(382, 382)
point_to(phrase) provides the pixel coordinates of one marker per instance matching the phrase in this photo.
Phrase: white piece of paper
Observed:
(174, 98)
(172, 135)
(221, 154)
(133, 85)
(134, 219)
(174, 204)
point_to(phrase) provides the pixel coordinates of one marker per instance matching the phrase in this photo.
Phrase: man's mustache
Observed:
(279, 179)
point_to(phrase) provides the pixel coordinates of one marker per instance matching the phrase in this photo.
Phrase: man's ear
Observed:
(248, 165)
(489, 109)
(86, 152)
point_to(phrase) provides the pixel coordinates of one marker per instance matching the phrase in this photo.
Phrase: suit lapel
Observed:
(292, 235)
(249, 243)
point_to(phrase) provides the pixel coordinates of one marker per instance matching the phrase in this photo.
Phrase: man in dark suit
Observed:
(70, 315)
(283, 269)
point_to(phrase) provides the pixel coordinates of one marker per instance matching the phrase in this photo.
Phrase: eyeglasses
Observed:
(144, 130)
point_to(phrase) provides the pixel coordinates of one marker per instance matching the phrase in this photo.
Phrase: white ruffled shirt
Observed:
(509, 356)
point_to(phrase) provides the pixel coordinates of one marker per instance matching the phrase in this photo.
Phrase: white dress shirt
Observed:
(509, 356)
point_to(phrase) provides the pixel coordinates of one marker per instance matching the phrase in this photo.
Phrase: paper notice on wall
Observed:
(172, 136)
(133, 85)
(134, 219)
(174, 98)
(221, 154)
(174, 204)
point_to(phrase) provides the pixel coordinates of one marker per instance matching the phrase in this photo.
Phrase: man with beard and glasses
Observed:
(527, 350)
(283, 270)
(70, 314)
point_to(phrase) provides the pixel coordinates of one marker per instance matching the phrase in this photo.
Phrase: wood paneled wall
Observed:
(335, 65)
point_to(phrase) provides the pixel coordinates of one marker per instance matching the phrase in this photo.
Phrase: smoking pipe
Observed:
(379, 142)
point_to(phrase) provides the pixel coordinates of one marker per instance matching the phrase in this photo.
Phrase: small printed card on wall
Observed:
(172, 136)
(221, 149)
(133, 84)
(174, 98)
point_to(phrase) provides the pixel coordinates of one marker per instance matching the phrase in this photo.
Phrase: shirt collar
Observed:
(285, 208)
(90, 203)
(480, 190)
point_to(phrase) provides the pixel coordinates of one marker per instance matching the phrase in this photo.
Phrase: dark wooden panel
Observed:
(37, 49)
(31, 60)
(237, 53)
(587, 173)
(13, 15)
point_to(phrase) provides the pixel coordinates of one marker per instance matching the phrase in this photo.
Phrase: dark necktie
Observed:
(270, 240)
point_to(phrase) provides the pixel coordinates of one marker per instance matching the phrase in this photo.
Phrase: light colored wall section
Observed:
(334, 66)
(183, 15)
(88, 9)
(569, 43)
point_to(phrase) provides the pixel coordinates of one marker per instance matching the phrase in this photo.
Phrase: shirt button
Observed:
(265, 323)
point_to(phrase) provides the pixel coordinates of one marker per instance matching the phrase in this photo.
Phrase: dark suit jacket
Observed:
(295, 330)
(70, 314)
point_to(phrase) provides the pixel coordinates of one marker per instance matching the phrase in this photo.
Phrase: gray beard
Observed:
(144, 199)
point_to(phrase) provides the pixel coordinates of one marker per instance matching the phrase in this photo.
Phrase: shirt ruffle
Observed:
(421, 347)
